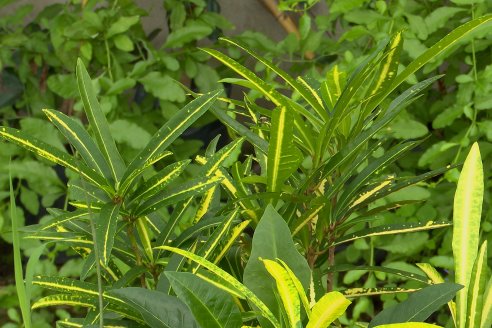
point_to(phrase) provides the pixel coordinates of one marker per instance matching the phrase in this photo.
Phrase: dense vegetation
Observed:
(343, 188)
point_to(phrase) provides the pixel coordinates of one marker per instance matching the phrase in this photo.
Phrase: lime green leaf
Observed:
(211, 306)
(409, 325)
(487, 306)
(123, 42)
(283, 156)
(130, 133)
(287, 291)
(419, 305)
(163, 87)
(186, 34)
(98, 122)
(476, 292)
(329, 308)
(467, 212)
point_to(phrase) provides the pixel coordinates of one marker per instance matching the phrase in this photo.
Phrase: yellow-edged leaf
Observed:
(329, 308)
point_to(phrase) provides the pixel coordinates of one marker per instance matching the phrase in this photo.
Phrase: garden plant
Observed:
(258, 227)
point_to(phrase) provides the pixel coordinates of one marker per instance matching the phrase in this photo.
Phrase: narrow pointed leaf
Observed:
(211, 306)
(487, 306)
(329, 308)
(400, 273)
(467, 212)
(167, 134)
(409, 325)
(105, 231)
(98, 122)
(476, 292)
(186, 190)
(419, 305)
(52, 154)
(391, 229)
(283, 156)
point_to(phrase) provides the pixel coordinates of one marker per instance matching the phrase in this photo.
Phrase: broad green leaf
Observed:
(122, 25)
(272, 240)
(211, 306)
(419, 305)
(173, 195)
(391, 229)
(467, 212)
(230, 280)
(163, 87)
(283, 156)
(106, 230)
(129, 133)
(157, 309)
(476, 292)
(52, 154)
(98, 122)
(329, 308)
(287, 292)
(81, 140)
(166, 135)
(186, 34)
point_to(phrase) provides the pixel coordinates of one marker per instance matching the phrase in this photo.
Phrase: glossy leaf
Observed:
(287, 291)
(98, 122)
(467, 213)
(106, 231)
(211, 306)
(329, 308)
(283, 156)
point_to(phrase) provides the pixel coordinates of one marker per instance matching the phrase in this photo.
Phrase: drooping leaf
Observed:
(467, 212)
(329, 308)
(211, 306)
(419, 305)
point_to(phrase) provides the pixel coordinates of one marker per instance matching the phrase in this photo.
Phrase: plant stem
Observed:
(138, 258)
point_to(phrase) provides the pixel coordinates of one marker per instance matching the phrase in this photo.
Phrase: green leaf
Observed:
(272, 240)
(190, 188)
(98, 122)
(106, 231)
(239, 289)
(123, 42)
(400, 273)
(287, 292)
(329, 308)
(409, 325)
(52, 154)
(476, 292)
(419, 305)
(130, 133)
(467, 212)
(81, 140)
(166, 135)
(186, 34)
(158, 309)
(487, 306)
(283, 156)
(211, 306)
(163, 87)
(391, 229)
(122, 25)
